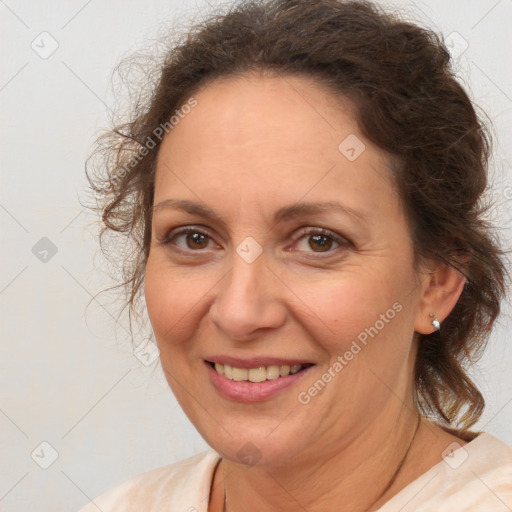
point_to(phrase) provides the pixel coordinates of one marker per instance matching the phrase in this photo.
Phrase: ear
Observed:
(441, 289)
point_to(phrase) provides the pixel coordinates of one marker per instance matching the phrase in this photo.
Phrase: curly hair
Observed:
(408, 102)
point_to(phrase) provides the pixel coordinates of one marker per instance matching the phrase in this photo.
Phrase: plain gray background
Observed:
(69, 378)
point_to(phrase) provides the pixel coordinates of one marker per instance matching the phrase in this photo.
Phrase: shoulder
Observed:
(184, 485)
(476, 477)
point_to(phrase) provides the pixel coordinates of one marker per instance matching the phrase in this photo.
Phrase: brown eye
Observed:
(196, 240)
(321, 242)
(188, 239)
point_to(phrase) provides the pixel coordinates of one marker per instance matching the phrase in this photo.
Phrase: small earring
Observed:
(435, 321)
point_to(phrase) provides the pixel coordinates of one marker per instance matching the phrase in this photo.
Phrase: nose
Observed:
(249, 300)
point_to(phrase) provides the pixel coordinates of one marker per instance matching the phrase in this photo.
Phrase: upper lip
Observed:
(255, 362)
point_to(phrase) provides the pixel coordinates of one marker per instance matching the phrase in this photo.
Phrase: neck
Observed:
(336, 479)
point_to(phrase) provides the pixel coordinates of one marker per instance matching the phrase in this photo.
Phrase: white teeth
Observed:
(259, 374)
(294, 368)
(272, 372)
(240, 374)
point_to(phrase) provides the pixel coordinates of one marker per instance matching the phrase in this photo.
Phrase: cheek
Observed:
(172, 298)
(344, 307)
(364, 324)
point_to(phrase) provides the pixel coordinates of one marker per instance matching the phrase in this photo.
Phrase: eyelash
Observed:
(342, 241)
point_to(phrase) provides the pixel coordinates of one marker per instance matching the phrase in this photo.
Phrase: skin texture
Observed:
(252, 145)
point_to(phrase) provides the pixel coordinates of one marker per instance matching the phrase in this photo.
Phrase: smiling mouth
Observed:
(258, 374)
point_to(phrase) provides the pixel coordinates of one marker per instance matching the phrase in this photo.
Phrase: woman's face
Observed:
(298, 254)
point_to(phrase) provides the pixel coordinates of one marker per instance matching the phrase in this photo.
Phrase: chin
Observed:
(266, 442)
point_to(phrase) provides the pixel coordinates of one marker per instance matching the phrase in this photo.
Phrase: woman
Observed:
(304, 190)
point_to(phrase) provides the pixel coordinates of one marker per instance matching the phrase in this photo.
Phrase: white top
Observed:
(476, 477)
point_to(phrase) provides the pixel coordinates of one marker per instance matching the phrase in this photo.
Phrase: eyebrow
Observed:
(283, 214)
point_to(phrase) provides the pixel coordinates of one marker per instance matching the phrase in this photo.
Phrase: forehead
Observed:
(255, 108)
(263, 137)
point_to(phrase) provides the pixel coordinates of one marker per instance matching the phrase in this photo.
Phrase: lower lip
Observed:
(245, 391)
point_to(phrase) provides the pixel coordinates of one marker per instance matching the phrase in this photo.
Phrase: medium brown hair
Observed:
(408, 102)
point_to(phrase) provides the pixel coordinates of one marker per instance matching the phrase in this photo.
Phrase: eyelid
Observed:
(341, 240)
(182, 230)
